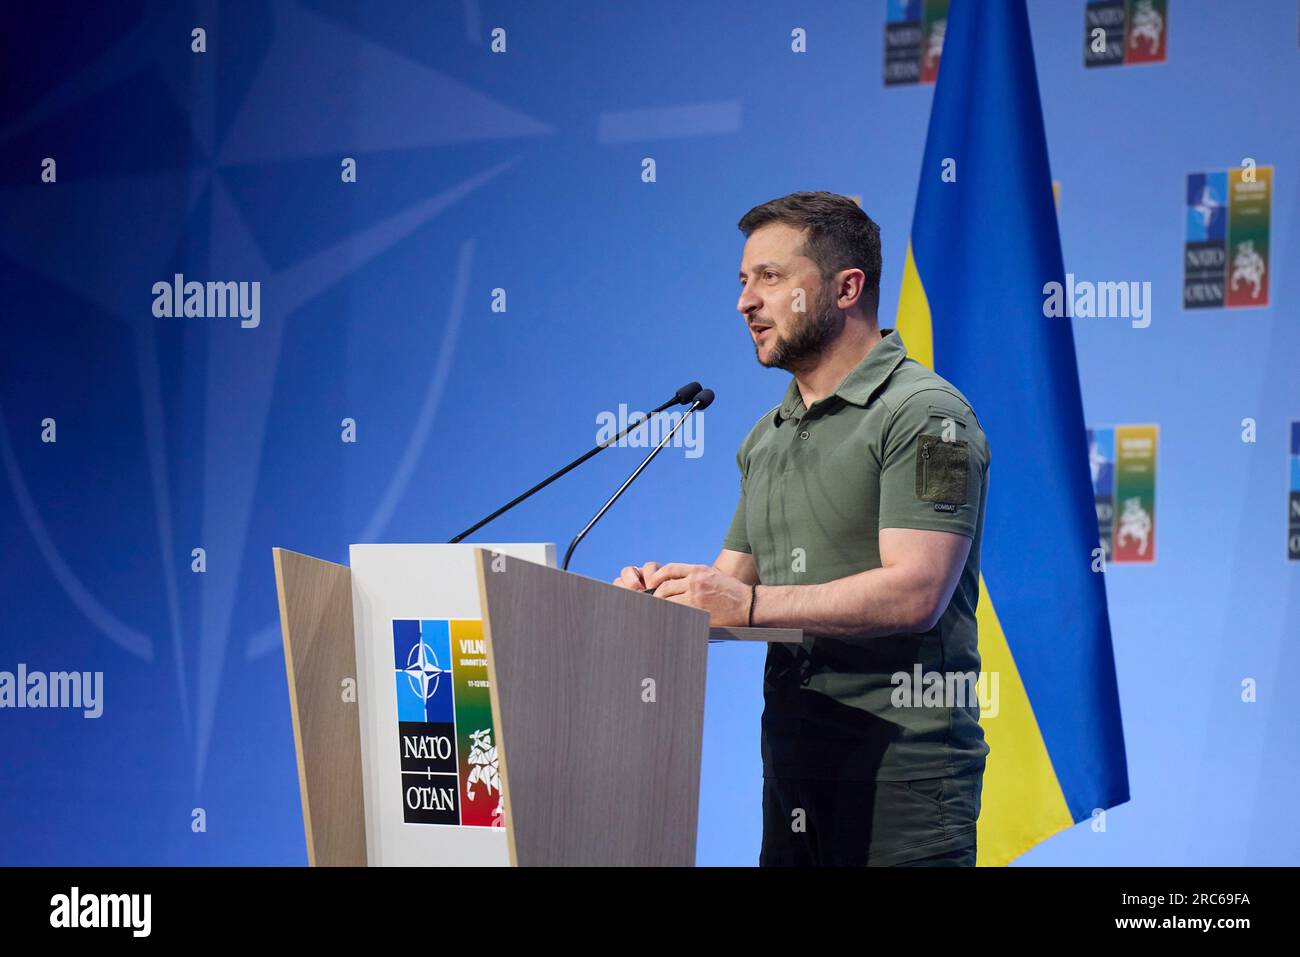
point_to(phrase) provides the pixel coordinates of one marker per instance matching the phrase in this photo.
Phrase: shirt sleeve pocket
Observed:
(941, 470)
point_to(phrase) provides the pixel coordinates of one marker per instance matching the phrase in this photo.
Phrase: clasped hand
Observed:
(726, 599)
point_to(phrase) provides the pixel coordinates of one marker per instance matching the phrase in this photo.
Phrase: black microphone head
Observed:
(688, 392)
(704, 399)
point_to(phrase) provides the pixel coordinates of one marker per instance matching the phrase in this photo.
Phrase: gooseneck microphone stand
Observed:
(702, 401)
(685, 394)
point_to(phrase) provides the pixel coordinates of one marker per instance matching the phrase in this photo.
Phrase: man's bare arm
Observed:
(739, 565)
(908, 593)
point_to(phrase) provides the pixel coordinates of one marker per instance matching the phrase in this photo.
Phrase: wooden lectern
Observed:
(474, 705)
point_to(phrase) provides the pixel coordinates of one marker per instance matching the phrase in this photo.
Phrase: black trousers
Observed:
(922, 823)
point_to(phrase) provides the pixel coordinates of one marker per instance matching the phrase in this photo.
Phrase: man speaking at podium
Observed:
(861, 508)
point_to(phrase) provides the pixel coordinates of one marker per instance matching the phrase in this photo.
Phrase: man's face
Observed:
(790, 312)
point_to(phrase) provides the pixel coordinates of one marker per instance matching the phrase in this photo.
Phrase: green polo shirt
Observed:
(895, 446)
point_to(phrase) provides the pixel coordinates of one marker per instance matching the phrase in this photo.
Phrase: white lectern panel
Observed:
(428, 752)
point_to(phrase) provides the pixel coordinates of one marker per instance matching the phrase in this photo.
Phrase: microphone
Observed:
(683, 395)
(703, 399)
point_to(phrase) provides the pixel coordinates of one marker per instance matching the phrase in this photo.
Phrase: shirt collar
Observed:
(862, 382)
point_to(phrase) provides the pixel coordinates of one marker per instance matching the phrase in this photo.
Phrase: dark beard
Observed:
(809, 338)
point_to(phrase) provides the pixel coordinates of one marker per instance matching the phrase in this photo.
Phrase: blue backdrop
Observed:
(522, 171)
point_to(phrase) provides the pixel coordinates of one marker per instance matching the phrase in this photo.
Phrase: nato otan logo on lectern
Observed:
(450, 771)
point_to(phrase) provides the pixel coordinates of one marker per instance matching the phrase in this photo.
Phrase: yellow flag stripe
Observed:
(913, 322)
(1022, 802)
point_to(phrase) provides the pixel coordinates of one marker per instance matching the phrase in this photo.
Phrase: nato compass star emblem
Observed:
(215, 186)
(188, 204)
(423, 671)
(1208, 206)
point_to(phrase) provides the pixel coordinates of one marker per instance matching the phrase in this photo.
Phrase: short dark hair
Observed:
(840, 235)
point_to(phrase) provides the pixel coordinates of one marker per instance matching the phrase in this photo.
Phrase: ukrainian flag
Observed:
(984, 242)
